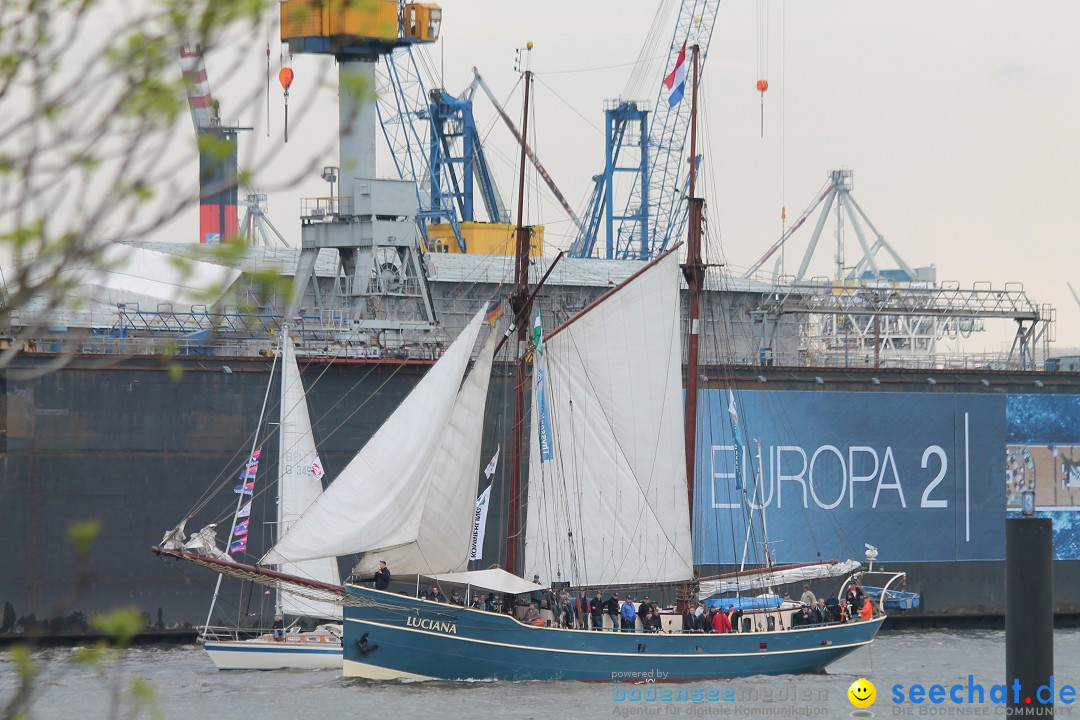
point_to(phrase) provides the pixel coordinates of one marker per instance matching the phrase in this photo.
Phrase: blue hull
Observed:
(396, 636)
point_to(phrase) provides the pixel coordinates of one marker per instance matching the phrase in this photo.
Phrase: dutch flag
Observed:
(676, 81)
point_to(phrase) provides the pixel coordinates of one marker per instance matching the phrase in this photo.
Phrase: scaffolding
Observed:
(898, 325)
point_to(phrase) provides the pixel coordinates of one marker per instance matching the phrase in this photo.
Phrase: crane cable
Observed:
(783, 126)
(762, 55)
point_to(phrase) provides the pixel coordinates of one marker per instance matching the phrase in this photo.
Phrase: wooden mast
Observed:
(521, 305)
(694, 272)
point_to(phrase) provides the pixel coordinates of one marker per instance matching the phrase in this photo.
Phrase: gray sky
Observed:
(959, 120)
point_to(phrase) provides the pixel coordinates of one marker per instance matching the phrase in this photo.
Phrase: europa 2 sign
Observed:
(918, 475)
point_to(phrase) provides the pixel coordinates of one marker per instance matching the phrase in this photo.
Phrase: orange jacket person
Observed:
(867, 610)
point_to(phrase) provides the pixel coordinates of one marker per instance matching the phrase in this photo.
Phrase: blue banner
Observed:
(917, 475)
(547, 452)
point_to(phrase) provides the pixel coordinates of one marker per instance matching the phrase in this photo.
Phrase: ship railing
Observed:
(864, 359)
(309, 346)
(323, 209)
(220, 633)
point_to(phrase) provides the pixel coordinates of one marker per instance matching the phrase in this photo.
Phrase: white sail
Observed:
(446, 492)
(611, 508)
(299, 484)
(765, 578)
(373, 502)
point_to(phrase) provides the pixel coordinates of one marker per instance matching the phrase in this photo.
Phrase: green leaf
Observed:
(82, 535)
(120, 625)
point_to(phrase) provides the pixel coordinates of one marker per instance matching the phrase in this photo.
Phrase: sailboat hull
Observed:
(259, 654)
(394, 636)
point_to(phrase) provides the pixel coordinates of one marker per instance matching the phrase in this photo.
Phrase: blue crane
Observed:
(457, 159)
(655, 212)
(409, 127)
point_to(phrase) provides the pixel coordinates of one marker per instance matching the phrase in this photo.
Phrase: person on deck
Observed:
(645, 607)
(651, 623)
(537, 595)
(381, 578)
(701, 621)
(612, 608)
(597, 611)
(808, 597)
(477, 601)
(436, 594)
(581, 611)
(567, 601)
(689, 620)
(279, 628)
(552, 600)
(456, 599)
(734, 616)
(705, 620)
(629, 615)
(720, 623)
(855, 598)
(532, 615)
(867, 610)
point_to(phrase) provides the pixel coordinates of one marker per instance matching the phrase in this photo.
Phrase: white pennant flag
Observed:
(490, 469)
(476, 548)
(244, 511)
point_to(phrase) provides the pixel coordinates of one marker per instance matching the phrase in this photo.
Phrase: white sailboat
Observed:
(389, 498)
(408, 493)
(299, 484)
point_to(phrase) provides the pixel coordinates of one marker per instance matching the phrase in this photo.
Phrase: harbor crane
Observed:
(656, 211)
(380, 290)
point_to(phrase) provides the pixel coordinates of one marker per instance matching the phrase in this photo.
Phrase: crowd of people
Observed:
(821, 611)
(706, 618)
(584, 613)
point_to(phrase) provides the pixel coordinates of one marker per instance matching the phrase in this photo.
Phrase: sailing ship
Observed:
(299, 483)
(609, 505)
(613, 511)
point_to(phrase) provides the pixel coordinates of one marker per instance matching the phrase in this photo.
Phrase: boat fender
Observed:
(363, 647)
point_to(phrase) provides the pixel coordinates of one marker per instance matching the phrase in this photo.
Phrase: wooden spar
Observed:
(227, 565)
(521, 304)
(694, 272)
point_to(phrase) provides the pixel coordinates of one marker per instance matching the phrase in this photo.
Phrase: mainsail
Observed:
(300, 475)
(611, 508)
(381, 498)
(446, 493)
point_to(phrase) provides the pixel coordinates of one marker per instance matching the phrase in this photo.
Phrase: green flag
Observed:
(538, 334)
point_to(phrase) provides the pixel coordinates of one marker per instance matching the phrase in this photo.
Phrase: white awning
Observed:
(495, 579)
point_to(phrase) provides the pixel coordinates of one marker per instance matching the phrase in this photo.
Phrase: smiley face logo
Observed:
(862, 693)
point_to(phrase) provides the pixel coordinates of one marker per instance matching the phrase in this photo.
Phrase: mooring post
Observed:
(1029, 616)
